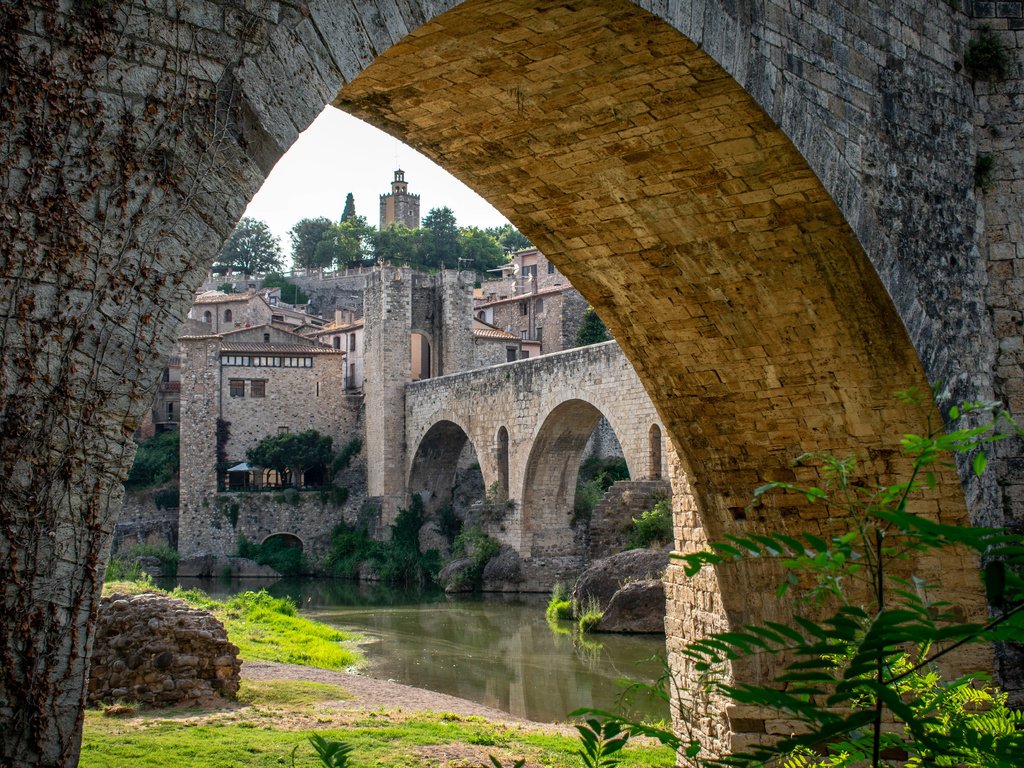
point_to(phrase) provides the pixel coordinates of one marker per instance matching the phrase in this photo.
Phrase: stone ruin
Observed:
(160, 652)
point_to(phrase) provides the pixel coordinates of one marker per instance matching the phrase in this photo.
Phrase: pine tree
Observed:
(350, 208)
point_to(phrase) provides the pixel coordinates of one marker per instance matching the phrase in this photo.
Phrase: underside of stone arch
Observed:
(435, 463)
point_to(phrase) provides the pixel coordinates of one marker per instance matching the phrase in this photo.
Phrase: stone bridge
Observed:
(784, 211)
(529, 422)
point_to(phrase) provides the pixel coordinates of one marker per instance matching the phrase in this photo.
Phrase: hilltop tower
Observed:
(399, 206)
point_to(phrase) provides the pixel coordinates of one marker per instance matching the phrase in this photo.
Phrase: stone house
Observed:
(345, 333)
(261, 381)
(533, 301)
(493, 346)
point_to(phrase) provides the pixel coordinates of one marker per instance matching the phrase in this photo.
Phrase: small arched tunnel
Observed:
(284, 541)
(435, 465)
(549, 481)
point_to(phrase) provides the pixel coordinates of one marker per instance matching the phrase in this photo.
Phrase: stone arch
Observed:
(549, 482)
(434, 465)
(287, 539)
(654, 452)
(686, 173)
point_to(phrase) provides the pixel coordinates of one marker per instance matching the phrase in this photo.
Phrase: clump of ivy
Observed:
(350, 450)
(983, 166)
(985, 57)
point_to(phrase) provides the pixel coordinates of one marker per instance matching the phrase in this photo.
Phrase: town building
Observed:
(534, 302)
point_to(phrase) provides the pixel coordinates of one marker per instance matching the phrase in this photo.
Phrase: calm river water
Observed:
(497, 650)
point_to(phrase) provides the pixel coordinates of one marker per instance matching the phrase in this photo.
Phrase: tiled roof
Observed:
(493, 333)
(541, 293)
(219, 297)
(254, 347)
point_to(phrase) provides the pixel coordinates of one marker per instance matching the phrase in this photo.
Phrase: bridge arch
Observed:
(286, 539)
(549, 482)
(435, 463)
(735, 221)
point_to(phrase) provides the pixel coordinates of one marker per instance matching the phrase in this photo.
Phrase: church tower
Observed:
(400, 207)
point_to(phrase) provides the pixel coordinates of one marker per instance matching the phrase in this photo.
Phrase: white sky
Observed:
(339, 154)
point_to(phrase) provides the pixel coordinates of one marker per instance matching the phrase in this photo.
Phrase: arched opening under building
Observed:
(419, 356)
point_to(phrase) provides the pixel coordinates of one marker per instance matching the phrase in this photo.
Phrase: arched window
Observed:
(207, 317)
(502, 450)
(654, 452)
(227, 315)
(337, 342)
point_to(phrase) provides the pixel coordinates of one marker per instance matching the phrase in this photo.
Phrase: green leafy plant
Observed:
(349, 451)
(862, 680)
(481, 548)
(983, 166)
(275, 553)
(156, 461)
(332, 754)
(589, 613)
(560, 606)
(985, 57)
(601, 742)
(167, 556)
(652, 528)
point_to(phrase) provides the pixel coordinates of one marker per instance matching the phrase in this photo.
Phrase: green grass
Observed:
(265, 628)
(379, 739)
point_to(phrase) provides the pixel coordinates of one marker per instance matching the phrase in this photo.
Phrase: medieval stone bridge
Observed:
(529, 422)
(772, 203)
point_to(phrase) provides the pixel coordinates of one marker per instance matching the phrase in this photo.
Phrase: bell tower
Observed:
(400, 207)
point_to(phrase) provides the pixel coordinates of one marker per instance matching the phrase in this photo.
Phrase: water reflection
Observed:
(497, 650)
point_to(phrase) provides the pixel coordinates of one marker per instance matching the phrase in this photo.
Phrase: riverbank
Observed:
(389, 725)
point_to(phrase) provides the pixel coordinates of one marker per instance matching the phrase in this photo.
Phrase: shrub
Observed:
(156, 461)
(350, 546)
(652, 528)
(590, 614)
(167, 556)
(559, 606)
(167, 498)
(448, 524)
(275, 553)
(985, 57)
(478, 546)
(346, 454)
(400, 560)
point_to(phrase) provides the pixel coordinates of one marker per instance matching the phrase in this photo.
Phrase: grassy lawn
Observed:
(272, 719)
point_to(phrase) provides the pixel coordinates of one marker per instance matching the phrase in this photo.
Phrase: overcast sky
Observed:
(339, 154)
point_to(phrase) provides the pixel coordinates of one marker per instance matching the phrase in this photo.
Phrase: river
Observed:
(497, 650)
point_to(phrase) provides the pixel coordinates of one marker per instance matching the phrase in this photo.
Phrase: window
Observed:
(258, 388)
(530, 271)
(227, 315)
(510, 354)
(539, 306)
(266, 338)
(524, 355)
(207, 317)
(352, 343)
(337, 342)
(282, 430)
(551, 268)
(524, 335)
(277, 318)
(524, 309)
(540, 334)
(236, 387)
(170, 410)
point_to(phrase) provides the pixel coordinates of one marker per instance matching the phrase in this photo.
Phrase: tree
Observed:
(592, 330)
(441, 241)
(481, 249)
(396, 242)
(292, 453)
(251, 249)
(305, 236)
(350, 208)
(290, 293)
(509, 238)
(355, 240)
